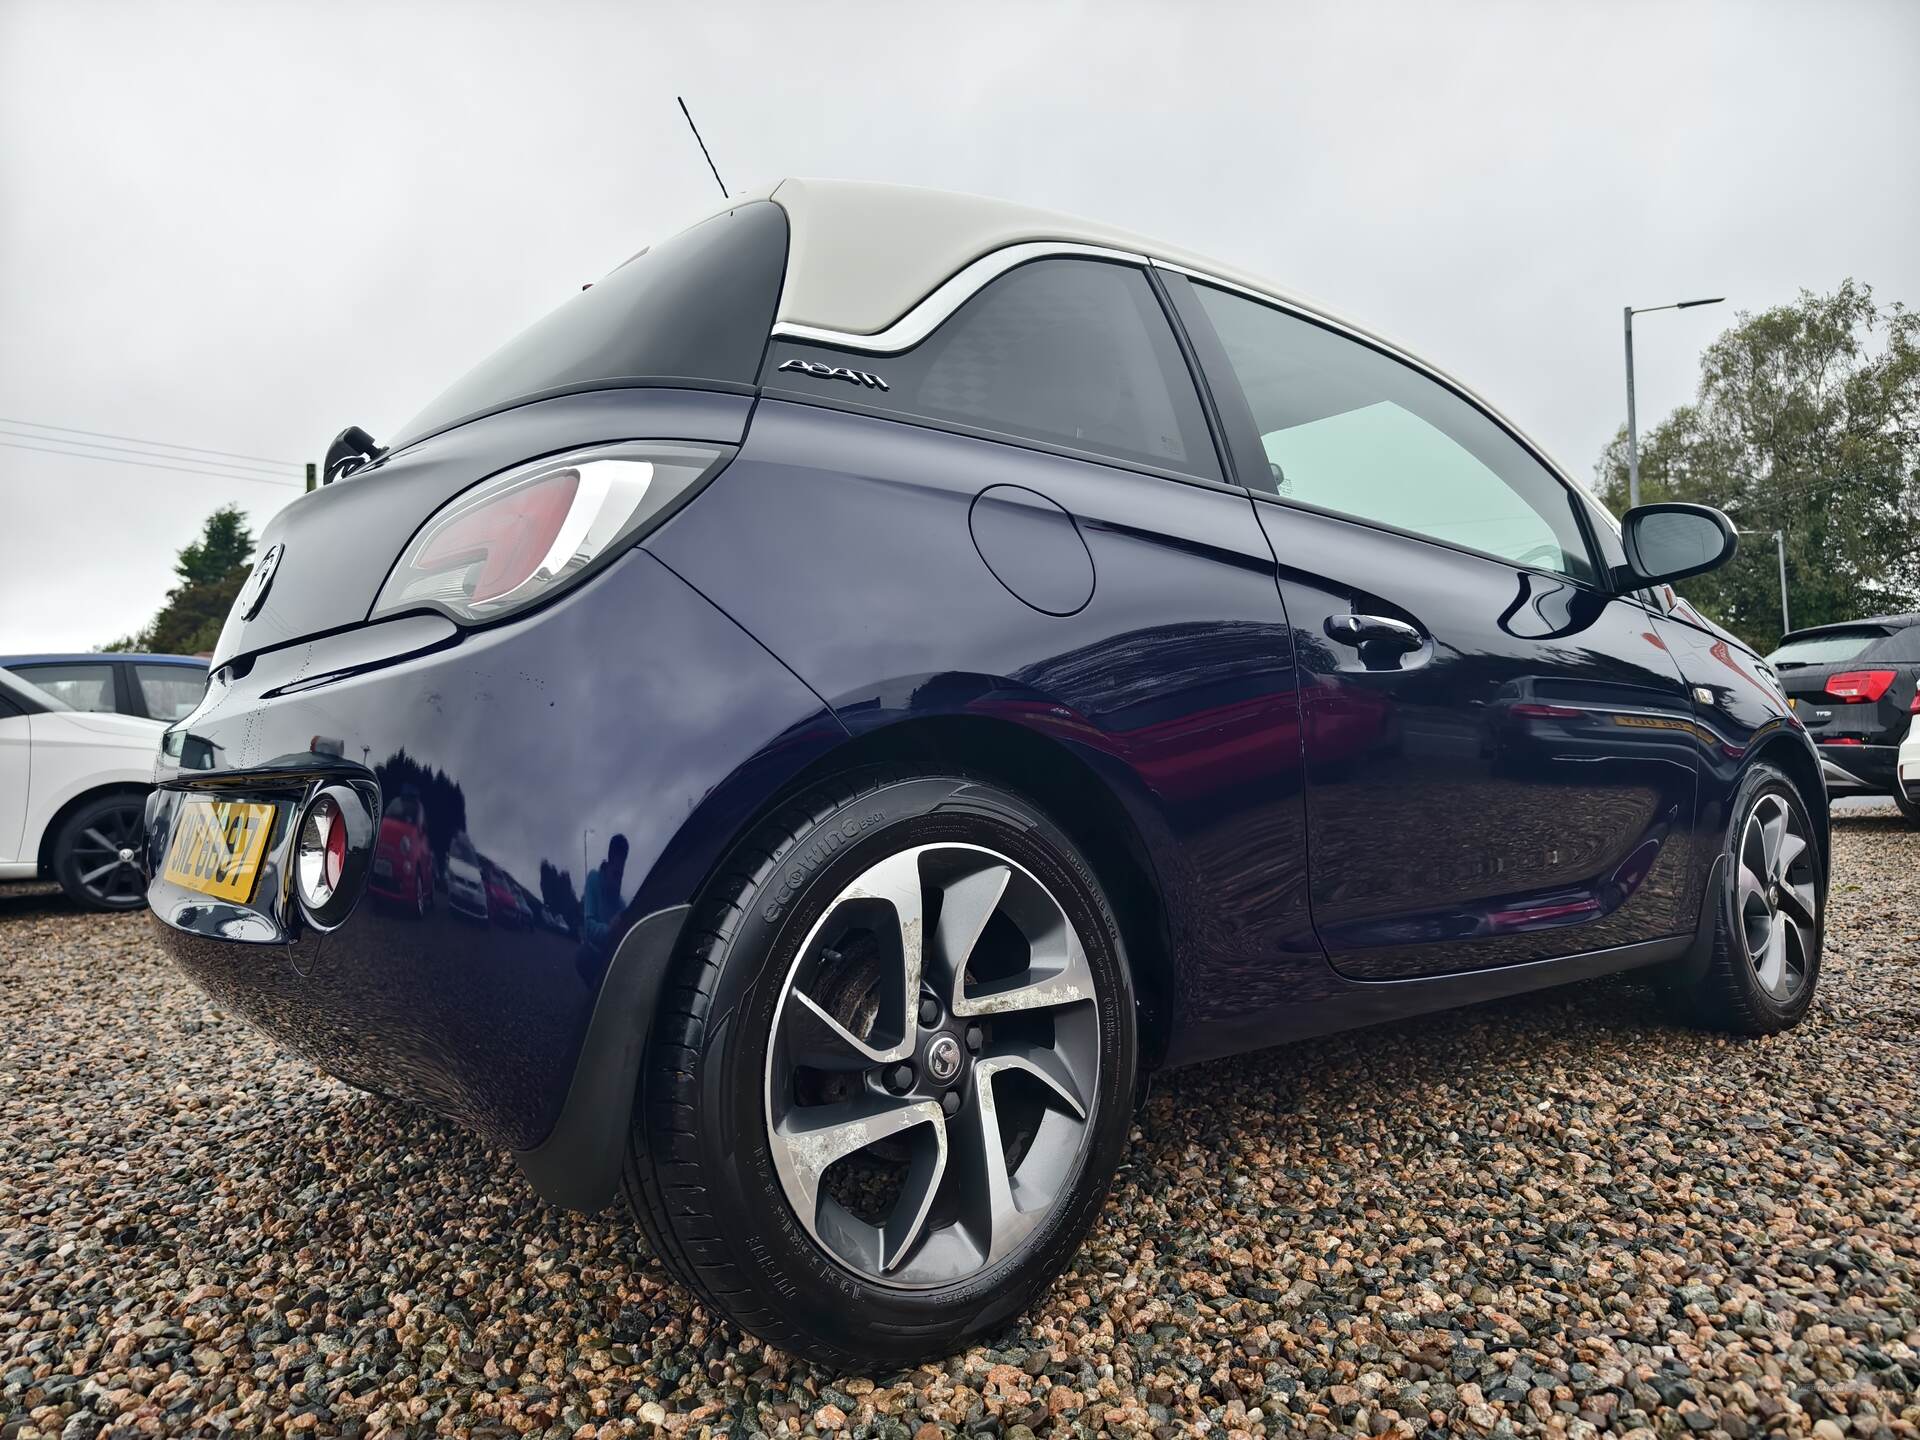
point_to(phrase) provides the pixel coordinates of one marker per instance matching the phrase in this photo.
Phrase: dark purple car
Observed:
(929, 663)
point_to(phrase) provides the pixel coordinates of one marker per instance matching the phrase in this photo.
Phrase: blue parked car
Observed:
(937, 662)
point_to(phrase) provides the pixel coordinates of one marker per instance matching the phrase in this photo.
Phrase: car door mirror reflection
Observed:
(1670, 541)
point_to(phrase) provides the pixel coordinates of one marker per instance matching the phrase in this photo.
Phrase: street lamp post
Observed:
(1780, 548)
(1633, 436)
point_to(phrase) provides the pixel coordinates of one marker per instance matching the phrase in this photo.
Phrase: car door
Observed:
(1044, 536)
(1498, 757)
(16, 750)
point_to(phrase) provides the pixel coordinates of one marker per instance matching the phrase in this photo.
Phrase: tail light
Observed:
(529, 533)
(1858, 686)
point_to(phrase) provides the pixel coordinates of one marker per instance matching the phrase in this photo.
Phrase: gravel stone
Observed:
(1559, 1215)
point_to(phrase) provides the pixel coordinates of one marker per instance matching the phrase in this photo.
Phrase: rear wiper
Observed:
(351, 449)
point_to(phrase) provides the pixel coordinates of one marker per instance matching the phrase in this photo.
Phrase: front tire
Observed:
(96, 855)
(892, 1072)
(1770, 916)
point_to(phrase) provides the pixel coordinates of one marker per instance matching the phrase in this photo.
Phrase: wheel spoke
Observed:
(815, 1038)
(811, 1139)
(1791, 847)
(112, 847)
(895, 882)
(1772, 818)
(1061, 978)
(966, 905)
(904, 1226)
(1773, 960)
(1045, 1065)
(1753, 890)
(988, 1212)
(92, 875)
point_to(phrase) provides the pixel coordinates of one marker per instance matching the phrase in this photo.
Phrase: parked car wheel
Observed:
(1770, 926)
(96, 855)
(865, 1149)
(1909, 809)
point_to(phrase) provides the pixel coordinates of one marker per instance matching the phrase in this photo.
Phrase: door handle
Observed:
(1374, 629)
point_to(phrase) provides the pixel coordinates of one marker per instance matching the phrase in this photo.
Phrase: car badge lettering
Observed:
(836, 372)
(253, 594)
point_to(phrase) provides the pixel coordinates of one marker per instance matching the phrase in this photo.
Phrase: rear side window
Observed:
(1348, 428)
(1830, 648)
(1072, 353)
(1902, 644)
(170, 691)
(695, 307)
(82, 685)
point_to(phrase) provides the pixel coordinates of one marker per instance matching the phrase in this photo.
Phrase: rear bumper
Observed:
(1859, 767)
(626, 709)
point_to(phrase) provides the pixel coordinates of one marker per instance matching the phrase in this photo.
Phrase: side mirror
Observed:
(1670, 541)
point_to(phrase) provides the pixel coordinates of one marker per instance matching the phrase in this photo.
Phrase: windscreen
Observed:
(1831, 647)
(695, 307)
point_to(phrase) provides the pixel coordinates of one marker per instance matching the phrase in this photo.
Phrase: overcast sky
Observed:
(243, 227)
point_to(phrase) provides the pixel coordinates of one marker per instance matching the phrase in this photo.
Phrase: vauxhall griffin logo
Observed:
(253, 594)
(836, 372)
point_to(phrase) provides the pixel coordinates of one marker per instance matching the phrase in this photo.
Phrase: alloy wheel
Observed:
(106, 857)
(933, 1066)
(1776, 897)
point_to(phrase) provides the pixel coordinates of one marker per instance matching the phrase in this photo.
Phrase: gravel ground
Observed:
(1552, 1215)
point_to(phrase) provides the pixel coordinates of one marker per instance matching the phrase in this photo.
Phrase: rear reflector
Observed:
(1857, 686)
(1838, 740)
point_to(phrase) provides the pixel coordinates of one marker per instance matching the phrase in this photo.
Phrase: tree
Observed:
(1807, 421)
(211, 569)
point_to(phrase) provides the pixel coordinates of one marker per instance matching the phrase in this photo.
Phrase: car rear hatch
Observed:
(665, 348)
(1852, 685)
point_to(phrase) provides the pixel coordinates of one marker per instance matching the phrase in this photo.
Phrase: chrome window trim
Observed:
(928, 315)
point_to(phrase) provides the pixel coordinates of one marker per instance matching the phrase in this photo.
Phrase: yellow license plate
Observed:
(217, 845)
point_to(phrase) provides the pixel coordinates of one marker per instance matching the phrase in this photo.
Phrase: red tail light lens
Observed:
(497, 544)
(527, 534)
(1857, 686)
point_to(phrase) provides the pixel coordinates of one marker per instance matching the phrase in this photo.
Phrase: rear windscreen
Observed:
(1832, 647)
(696, 307)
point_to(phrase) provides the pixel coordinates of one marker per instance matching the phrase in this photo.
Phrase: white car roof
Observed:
(873, 267)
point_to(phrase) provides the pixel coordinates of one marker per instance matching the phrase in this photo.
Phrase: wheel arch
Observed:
(578, 1164)
(67, 808)
(1061, 781)
(1787, 752)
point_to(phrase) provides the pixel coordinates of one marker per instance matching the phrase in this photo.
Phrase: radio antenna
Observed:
(703, 149)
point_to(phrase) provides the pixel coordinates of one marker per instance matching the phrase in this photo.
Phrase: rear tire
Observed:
(98, 851)
(1909, 809)
(868, 1159)
(1770, 914)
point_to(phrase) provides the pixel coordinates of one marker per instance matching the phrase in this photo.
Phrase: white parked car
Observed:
(73, 788)
(466, 889)
(1907, 769)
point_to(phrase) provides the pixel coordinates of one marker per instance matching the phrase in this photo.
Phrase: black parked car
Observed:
(1856, 687)
(942, 661)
